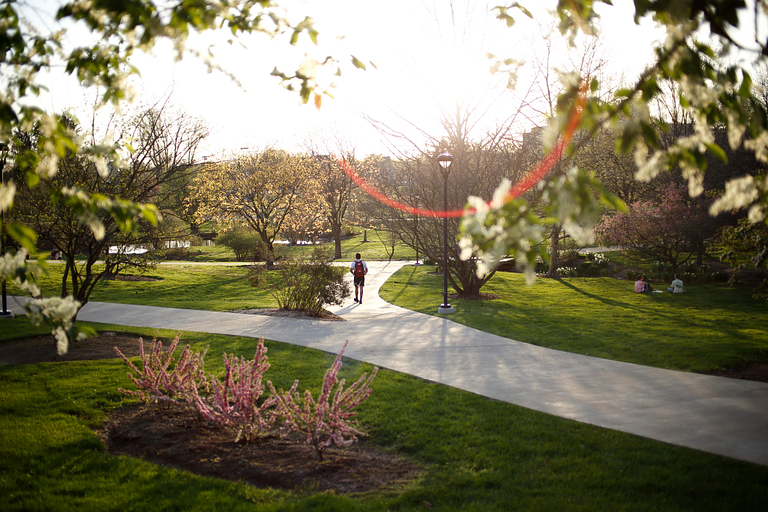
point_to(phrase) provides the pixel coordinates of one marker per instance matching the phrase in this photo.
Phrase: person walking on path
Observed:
(358, 268)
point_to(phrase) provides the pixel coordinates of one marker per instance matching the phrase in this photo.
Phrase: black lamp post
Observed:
(4, 313)
(445, 160)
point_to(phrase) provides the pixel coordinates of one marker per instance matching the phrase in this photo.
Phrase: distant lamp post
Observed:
(3, 149)
(445, 160)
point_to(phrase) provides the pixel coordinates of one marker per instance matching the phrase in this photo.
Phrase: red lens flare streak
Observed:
(542, 168)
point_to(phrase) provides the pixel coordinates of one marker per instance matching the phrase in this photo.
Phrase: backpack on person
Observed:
(359, 270)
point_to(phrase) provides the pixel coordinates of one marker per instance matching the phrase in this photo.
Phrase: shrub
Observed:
(305, 285)
(245, 243)
(327, 421)
(175, 253)
(588, 269)
(691, 268)
(234, 401)
(600, 260)
(569, 257)
(164, 379)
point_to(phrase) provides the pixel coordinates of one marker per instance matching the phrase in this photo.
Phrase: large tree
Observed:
(416, 181)
(334, 186)
(668, 229)
(91, 242)
(261, 188)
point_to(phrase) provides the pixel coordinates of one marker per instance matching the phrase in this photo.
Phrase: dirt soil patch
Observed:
(129, 277)
(175, 437)
(750, 371)
(42, 349)
(324, 314)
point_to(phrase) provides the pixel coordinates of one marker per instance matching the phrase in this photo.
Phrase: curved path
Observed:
(717, 415)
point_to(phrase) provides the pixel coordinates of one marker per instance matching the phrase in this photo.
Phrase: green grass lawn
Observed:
(373, 249)
(708, 327)
(477, 454)
(206, 287)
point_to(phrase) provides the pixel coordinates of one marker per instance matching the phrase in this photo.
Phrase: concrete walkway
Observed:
(717, 415)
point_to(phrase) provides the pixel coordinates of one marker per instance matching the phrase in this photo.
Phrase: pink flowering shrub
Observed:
(327, 421)
(162, 378)
(234, 400)
(671, 228)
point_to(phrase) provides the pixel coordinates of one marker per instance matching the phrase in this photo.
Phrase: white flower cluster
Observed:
(578, 217)
(87, 216)
(7, 191)
(741, 192)
(11, 266)
(505, 238)
(60, 311)
(650, 167)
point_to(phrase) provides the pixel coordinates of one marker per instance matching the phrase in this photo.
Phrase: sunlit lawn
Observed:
(207, 287)
(373, 249)
(708, 327)
(477, 454)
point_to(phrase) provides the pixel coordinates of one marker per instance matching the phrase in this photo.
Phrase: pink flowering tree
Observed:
(329, 420)
(162, 377)
(668, 229)
(235, 399)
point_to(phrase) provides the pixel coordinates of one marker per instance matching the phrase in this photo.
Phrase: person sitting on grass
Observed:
(641, 286)
(676, 286)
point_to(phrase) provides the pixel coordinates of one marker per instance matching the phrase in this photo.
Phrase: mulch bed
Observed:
(324, 314)
(174, 437)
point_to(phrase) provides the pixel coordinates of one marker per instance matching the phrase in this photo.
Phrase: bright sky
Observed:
(427, 55)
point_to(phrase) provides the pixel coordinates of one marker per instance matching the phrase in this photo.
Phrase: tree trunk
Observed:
(700, 253)
(553, 242)
(336, 230)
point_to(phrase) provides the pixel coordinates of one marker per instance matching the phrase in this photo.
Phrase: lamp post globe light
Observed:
(445, 160)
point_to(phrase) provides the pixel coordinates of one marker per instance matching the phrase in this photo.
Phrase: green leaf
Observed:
(25, 235)
(32, 179)
(717, 151)
(613, 201)
(745, 91)
(357, 63)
